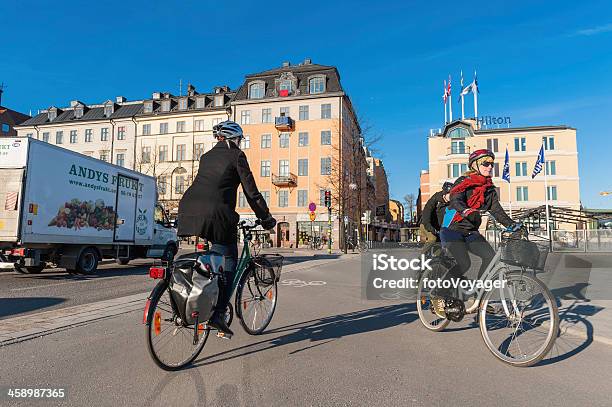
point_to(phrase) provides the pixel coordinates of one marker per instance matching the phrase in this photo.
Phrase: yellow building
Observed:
(450, 147)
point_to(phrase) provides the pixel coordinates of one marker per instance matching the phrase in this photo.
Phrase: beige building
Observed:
(449, 150)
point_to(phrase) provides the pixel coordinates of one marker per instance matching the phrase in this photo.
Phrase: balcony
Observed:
(458, 150)
(289, 180)
(284, 123)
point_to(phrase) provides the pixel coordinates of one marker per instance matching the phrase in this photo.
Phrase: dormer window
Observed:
(109, 109)
(200, 102)
(256, 90)
(165, 105)
(79, 110)
(148, 107)
(183, 104)
(316, 85)
(52, 113)
(459, 132)
(219, 101)
(285, 88)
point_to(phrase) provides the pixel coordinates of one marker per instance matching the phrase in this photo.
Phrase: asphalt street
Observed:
(325, 346)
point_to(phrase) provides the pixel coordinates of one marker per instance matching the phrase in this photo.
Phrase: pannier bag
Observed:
(194, 285)
(520, 252)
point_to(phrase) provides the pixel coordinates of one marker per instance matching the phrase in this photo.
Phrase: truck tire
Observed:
(123, 261)
(169, 252)
(19, 268)
(35, 269)
(88, 262)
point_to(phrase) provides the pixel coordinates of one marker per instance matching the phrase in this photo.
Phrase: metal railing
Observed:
(582, 240)
(458, 150)
(284, 180)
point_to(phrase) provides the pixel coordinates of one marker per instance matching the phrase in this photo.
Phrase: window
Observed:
(145, 157)
(325, 166)
(121, 133)
(458, 147)
(148, 107)
(163, 154)
(303, 139)
(522, 194)
(520, 144)
(266, 197)
(215, 121)
(183, 104)
(104, 134)
(326, 137)
(283, 198)
(163, 128)
(246, 142)
(303, 112)
(146, 129)
(120, 159)
(322, 197)
(521, 169)
(284, 111)
(108, 110)
(245, 117)
(302, 197)
(286, 85)
(492, 145)
(88, 135)
(256, 90)
(549, 142)
(266, 140)
(303, 166)
(551, 167)
(200, 102)
(455, 170)
(283, 168)
(59, 137)
(266, 115)
(73, 136)
(46, 137)
(180, 126)
(459, 132)
(326, 111)
(179, 184)
(265, 168)
(241, 200)
(317, 85)
(181, 152)
(552, 193)
(104, 156)
(198, 150)
(199, 125)
(219, 101)
(165, 105)
(496, 170)
(5, 128)
(162, 184)
(284, 140)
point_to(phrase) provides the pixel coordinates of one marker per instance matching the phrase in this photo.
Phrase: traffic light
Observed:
(328, 199)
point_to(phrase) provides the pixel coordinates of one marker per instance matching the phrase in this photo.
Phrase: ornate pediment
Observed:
(282, 81)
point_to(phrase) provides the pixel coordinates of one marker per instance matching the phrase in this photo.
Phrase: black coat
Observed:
(208, 207)
(491, 204)
(433, 213)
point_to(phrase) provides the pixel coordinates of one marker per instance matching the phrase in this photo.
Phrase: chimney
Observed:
(307, 61)
(191, 90)
(120, 99)
(156, 95)
(286, 64)
(73, 103)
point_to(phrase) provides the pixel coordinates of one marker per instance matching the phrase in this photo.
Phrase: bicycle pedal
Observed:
(223, 335)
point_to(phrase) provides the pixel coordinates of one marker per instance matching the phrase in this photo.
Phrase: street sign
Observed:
(313, 216)
(345, 219)
(312, 207)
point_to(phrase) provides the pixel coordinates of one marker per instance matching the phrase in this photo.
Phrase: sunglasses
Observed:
(487, 164)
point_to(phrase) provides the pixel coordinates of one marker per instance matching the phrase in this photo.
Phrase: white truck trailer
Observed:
(62, 208)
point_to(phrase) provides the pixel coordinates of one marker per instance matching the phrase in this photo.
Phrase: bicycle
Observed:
(172, 341)
(507, 316)
(358, 245)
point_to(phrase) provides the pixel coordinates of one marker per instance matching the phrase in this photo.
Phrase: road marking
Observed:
(293, 282)
(67, 282)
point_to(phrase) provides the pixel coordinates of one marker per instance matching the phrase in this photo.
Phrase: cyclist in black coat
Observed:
(208, 207)
(433, 212)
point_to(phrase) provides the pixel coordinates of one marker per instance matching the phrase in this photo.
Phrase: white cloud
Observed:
(594, 30)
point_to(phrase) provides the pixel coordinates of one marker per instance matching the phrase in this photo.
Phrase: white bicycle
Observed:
(519, 321)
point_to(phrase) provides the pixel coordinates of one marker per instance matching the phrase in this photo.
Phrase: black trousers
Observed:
(460, 244)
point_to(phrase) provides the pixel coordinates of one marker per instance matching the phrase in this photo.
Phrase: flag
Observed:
(449, 86)
(445, 96)
(506, 172)
(461, 87)
(474, 84)
(539, 163)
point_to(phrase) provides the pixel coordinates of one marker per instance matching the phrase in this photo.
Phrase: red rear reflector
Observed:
(146, 311)
(157, 272)
(157, 323)
(200, 246)
(18, 252)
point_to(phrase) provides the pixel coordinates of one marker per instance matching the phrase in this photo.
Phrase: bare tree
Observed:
(409, 200)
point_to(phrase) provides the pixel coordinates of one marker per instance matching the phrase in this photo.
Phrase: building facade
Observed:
(9, 119)
(449, 150)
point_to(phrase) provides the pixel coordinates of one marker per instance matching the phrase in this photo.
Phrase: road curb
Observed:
(583, 335)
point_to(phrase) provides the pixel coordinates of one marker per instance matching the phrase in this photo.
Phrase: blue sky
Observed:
(539, 62)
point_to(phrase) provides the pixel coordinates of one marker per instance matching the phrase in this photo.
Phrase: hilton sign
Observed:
(492, 121)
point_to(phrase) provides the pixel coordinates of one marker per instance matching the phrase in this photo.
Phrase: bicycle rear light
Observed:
(157, 272)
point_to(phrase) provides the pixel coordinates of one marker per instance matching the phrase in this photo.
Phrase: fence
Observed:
(590, 240)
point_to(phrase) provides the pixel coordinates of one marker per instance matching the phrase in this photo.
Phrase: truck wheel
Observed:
(169, 252)
(123, 261)
(88, 262)
(35, 270)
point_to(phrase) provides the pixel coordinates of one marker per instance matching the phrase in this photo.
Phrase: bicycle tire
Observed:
(250, 285)
(157, 294)
(553, 329)
(423, 307)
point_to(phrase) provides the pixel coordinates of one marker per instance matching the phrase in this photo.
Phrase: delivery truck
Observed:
(59, 208)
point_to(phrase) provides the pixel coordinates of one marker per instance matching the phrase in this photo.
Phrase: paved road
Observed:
(325, 346)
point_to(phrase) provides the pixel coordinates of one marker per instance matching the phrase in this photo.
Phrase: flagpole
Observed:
(548, 231)
(450, 99)
(475, 92)
(462, 108)
(445, 116)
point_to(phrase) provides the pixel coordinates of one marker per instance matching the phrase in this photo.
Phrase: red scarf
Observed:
(480, 184)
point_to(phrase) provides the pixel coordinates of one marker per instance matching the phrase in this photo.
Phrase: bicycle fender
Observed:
(162, 285)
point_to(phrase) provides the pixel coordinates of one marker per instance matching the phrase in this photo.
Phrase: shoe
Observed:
(218, 322)
(438, 305)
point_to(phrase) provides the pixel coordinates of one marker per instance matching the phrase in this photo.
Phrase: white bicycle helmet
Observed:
(228, 129)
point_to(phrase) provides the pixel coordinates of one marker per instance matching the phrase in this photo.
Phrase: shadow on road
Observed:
(55, 275)
(320, 331)
(13, 306)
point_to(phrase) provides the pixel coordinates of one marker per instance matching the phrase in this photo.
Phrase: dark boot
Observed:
(217, 321)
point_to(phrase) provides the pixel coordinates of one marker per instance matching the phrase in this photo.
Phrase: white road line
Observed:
(67, 282)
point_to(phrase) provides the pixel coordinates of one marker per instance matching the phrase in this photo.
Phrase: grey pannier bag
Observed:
(194, 285)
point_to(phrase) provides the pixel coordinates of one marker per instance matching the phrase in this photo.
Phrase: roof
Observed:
(16, 117)
(301, 73)
(471, 123)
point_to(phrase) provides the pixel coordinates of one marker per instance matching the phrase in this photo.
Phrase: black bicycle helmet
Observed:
(228, 129)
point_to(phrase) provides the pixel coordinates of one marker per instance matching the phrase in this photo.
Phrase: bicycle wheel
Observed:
(169, 341)
(255, 300)
(425, 308)
(520, 322)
